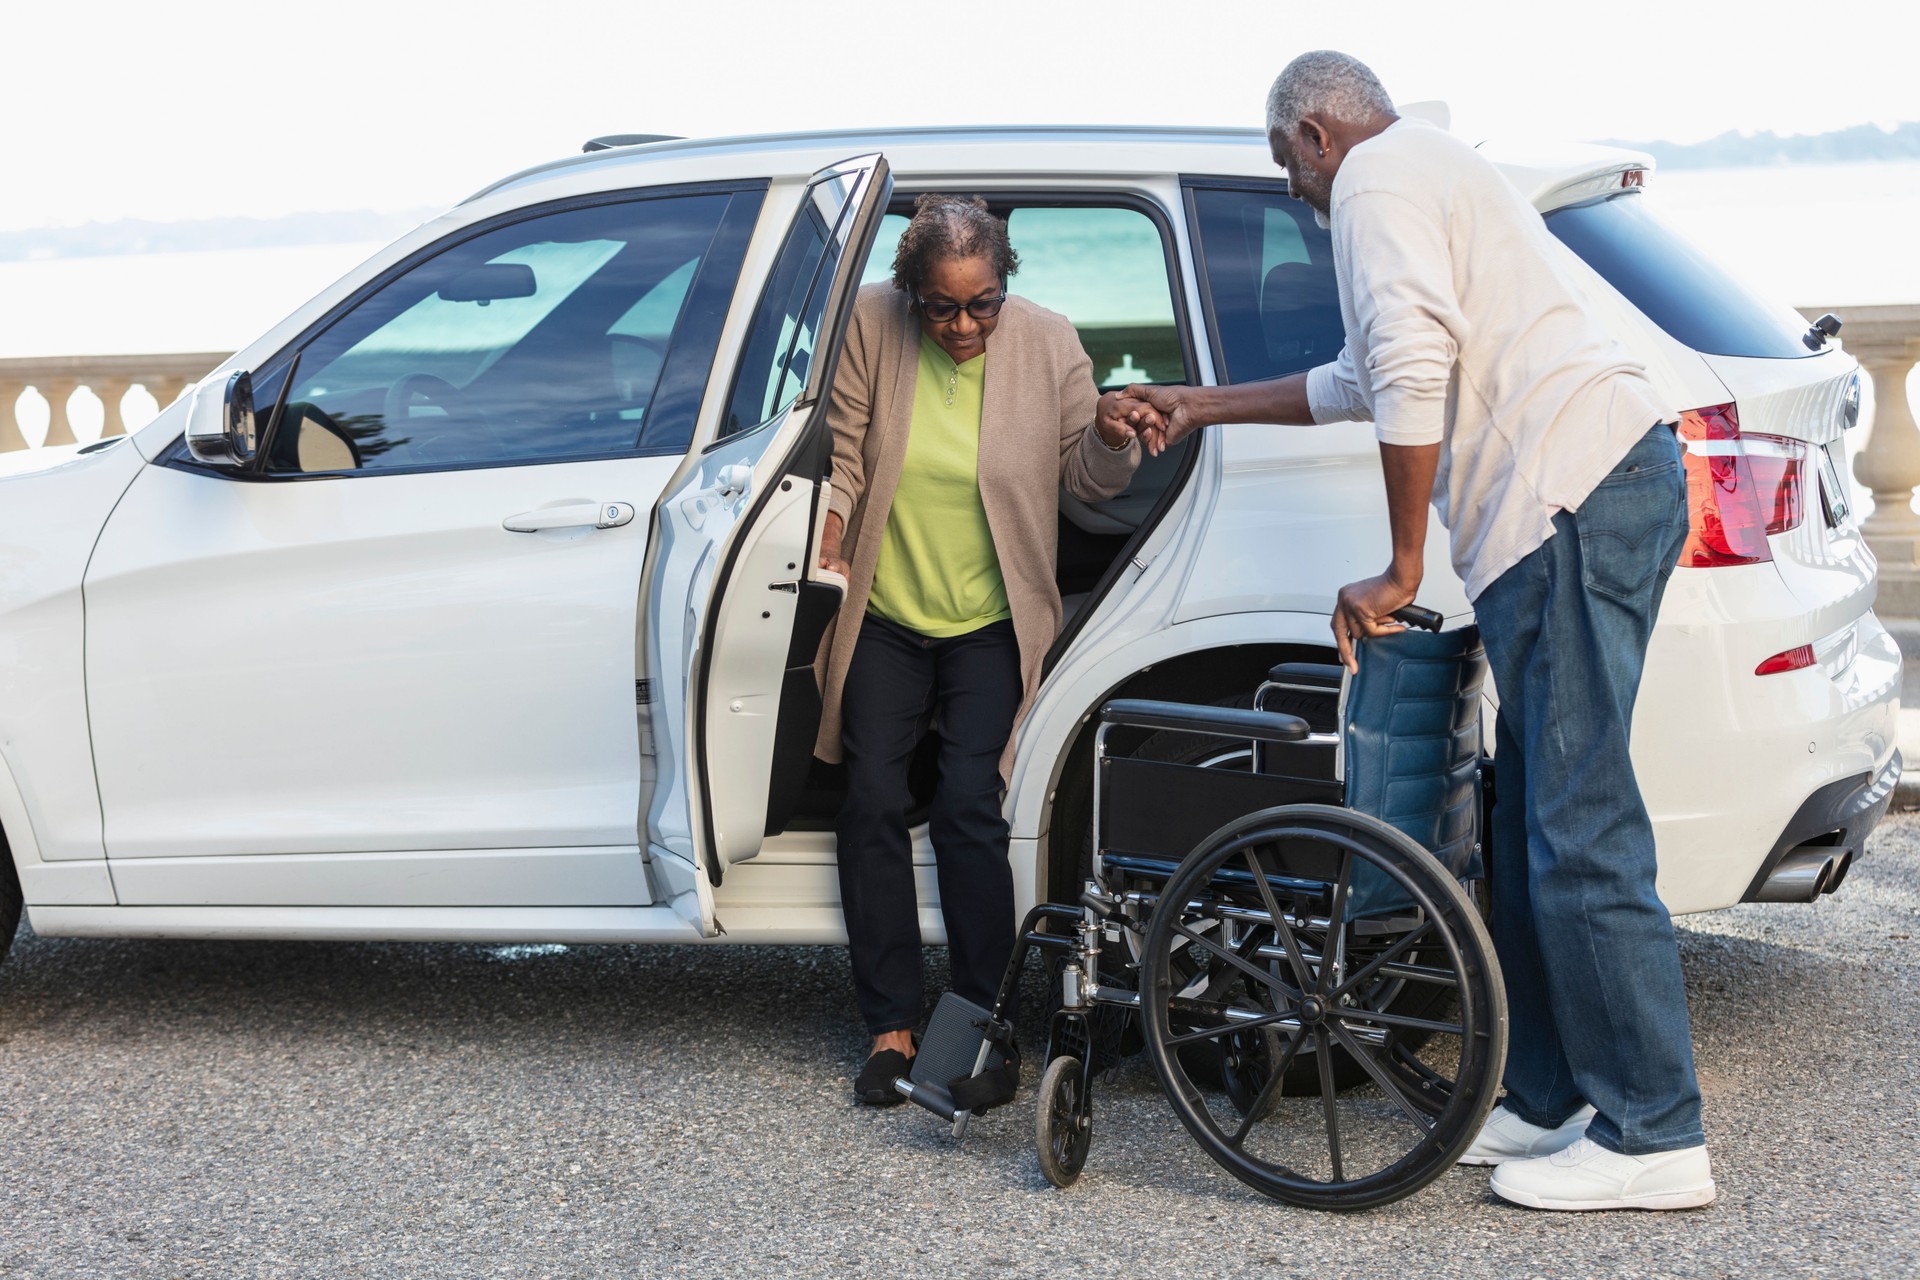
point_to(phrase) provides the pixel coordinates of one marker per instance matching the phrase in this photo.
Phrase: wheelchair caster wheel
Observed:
(1063, 1121)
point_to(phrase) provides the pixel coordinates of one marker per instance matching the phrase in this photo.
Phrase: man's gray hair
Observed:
(1325, 83)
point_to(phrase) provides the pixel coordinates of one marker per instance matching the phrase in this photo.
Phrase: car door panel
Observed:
(337, 668)
(735, 599)
(366, 665)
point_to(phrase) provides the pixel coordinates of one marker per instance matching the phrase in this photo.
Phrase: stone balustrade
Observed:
(1886, 342)
(58, 378)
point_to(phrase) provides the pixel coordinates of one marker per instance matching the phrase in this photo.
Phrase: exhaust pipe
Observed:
(1839, 873)
(1803, 875)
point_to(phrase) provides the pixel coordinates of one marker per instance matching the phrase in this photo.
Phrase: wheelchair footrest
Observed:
(961, 1066)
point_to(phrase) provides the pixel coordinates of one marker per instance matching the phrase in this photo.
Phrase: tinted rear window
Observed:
(1272, 301)
(1680, 290)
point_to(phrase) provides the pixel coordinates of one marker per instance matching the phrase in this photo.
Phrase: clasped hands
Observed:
(1158, 416)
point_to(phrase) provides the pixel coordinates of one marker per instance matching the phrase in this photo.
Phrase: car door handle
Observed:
(570, 515)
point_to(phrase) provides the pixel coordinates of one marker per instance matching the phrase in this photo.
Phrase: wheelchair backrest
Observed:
(1410, 740)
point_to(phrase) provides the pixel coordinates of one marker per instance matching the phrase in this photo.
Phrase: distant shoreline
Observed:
(131, 236)
(1863, 143)
(1736, 150)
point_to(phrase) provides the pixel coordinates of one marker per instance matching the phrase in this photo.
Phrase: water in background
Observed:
(1810, 235)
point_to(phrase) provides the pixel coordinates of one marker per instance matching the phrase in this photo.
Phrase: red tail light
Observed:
(1740, 488)
(1791, 660)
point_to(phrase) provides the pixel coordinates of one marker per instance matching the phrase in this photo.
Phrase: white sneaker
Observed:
(1505, 1136)
(1588, 1176)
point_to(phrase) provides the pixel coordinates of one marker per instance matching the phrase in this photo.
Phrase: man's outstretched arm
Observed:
(1166, 415)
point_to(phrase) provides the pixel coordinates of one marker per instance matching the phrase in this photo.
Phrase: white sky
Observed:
(202, 108)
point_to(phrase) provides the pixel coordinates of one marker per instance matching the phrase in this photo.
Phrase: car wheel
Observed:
(10, 899)
(1073, 808)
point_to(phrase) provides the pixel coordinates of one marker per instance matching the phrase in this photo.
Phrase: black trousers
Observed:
(896, 681)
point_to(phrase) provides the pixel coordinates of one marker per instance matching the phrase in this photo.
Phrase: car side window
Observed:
(543, 340)
(785, 332)
(1104, 268)
(1267, 281)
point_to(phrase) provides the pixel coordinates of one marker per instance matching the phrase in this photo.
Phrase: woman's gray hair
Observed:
(1325, 83)
(945, 227)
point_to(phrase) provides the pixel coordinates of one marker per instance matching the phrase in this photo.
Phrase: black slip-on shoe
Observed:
(874, 1085)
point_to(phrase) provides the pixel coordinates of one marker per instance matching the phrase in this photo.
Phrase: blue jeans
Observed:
(1597, 1006)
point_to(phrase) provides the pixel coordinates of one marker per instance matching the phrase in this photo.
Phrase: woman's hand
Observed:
(1162, 416)
(830, 535)
(1112, 420)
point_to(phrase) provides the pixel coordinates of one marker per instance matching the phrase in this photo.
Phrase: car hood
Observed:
(21, 462)
(51, 510)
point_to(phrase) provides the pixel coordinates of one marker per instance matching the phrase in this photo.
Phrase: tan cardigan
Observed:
(1036, 434)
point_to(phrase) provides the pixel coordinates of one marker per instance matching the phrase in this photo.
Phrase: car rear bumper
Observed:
(1732, 763)
(1818, 846)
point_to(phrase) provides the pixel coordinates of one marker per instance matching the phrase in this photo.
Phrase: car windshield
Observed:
(1680, 289)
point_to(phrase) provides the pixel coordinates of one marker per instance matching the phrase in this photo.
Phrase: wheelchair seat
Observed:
(1407, 751)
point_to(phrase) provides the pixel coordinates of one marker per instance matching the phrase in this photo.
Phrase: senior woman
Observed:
(957, 413)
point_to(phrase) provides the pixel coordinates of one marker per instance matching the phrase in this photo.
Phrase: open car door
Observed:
(736, 602)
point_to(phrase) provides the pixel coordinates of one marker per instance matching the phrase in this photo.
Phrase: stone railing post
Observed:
(1890, 463)
(1886, 342)
(111, 392)
(10, 437)
(58, 391)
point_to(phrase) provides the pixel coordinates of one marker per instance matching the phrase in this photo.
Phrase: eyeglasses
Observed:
(979, 308)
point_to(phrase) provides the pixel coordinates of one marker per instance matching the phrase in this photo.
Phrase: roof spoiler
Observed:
(1432, 110)
(609, 141)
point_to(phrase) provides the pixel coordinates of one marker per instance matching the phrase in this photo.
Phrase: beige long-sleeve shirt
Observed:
(1467, 326)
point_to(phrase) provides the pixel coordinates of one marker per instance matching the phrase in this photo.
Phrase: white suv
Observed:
(477, 599)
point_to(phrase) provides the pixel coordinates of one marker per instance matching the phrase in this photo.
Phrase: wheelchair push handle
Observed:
(1419, 616)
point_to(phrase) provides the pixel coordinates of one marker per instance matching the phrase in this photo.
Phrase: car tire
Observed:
(1206, 1061)
(10, 899)
(1072, 820)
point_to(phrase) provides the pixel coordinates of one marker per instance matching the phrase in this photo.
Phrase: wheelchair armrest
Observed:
(1323, 675)
(1219, 722)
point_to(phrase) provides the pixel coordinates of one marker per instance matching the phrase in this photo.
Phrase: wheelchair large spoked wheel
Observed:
(1257, 931)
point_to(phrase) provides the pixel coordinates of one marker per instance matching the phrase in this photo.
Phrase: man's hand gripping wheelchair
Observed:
(1285, 932)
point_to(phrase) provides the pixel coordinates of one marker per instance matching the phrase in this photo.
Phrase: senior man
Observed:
(1497, 394)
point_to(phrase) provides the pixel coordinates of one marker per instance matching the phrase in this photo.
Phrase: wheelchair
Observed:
(1288, 934)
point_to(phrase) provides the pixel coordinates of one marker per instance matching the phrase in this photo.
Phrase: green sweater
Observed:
(938, 573)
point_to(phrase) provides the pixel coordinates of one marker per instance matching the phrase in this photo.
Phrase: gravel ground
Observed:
(186, 1109)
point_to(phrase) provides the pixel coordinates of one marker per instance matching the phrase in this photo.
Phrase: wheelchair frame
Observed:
(1295, 946)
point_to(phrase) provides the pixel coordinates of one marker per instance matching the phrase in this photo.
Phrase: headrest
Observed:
(1292, 286)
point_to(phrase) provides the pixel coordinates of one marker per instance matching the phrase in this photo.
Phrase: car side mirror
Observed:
(221, 428)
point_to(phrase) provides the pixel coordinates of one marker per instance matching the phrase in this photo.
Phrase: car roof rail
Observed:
(609, 141)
